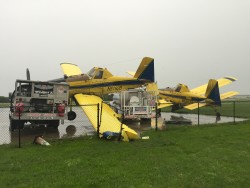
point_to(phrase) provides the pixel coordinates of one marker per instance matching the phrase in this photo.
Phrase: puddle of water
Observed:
(203, 119)
(81, 126)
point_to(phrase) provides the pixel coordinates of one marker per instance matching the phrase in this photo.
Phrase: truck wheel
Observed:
(71, 115)
(54, 123)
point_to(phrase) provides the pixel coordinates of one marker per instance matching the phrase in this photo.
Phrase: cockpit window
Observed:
(91, 72)
(98, 74)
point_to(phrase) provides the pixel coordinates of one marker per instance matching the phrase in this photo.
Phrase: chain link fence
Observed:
(230, 111)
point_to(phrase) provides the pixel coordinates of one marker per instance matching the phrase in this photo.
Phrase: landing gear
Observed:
(217, 116)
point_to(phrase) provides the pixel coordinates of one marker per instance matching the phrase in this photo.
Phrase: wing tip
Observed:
(230, 78)
(68, 63)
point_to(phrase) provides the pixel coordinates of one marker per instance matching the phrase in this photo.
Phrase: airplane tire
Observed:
(71, 115)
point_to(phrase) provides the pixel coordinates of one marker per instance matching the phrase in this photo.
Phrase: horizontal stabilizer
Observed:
(221, 82)
(222, 96)
(226, 80)
(228, 94)
(109, 121)
(70, 69)
(194, 106)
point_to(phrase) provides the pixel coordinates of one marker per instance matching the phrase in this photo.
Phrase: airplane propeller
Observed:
(28, 74)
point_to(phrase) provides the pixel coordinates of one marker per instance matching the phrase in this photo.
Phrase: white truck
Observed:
(135, 104)
(39, 103)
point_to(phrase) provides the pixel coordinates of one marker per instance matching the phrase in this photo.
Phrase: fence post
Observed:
(156, 116)
(19, 132)
(234, 110)
(120, 134)
(98, 123)
(198, 113)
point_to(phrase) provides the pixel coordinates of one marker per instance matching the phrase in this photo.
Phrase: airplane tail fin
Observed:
(146, 70)
(213, 92)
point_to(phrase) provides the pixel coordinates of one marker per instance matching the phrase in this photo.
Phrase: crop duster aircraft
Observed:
(207, 94)
(182, 97)
(86, 89)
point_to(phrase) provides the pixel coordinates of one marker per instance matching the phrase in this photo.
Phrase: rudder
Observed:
(146, 70)
(213, 92)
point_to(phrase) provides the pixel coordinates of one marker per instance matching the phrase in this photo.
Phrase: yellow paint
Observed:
(109, 121)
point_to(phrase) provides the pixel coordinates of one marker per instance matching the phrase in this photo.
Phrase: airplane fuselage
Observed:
(105, 86)
(182, 98)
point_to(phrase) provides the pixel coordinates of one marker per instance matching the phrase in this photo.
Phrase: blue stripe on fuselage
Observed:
(107, 84)
(183, 97)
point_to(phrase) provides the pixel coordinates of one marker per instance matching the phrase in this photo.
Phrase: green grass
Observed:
(181, 156)
(4, 105)
(242, 109)
(205, 156)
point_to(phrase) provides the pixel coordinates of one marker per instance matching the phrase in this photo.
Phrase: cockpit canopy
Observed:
(99, 73)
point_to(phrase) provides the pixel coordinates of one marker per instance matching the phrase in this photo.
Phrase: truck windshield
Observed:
(24, 90)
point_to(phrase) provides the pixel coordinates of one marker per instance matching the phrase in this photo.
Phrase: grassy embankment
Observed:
(183, 156)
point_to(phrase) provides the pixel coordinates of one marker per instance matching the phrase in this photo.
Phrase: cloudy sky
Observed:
(190, 40)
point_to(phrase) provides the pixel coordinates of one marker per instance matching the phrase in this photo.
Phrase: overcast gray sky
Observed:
(190, 40)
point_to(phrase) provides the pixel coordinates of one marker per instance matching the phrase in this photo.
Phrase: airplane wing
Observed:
(228, 94)
(222, 96)
(221, 82)
(194, 106)
(162, 103)
(109, 121)
(131, 73)
(70, 69)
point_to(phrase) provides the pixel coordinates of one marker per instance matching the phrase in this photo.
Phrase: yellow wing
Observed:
(222, 96)
(194, 106)
(109, 120)
(221, 82)
(70, 69)
(131, 73)
(228, 94)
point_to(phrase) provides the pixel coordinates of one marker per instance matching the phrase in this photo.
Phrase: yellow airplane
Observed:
(207, 94)
(99, 81)
(86, 89)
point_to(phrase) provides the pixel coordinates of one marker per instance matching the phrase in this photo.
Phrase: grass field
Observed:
(207, 156)
(181, 156)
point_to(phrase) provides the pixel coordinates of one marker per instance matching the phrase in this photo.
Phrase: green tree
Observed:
(4, 99)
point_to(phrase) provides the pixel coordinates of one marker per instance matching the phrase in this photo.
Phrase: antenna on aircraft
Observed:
(28, 74)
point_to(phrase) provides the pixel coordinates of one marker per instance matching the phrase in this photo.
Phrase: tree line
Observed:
(4, 99)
